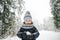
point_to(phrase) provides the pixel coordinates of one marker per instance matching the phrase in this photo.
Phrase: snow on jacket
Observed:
(22, 32)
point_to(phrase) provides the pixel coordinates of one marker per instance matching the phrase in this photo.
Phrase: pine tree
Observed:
(7, 17)
(55, 7)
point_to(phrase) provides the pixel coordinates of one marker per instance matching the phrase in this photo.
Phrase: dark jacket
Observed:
(22, 33)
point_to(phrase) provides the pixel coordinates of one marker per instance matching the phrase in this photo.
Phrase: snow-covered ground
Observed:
(44, 35)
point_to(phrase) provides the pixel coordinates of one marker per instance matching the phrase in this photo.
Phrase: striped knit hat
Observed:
(27, 16)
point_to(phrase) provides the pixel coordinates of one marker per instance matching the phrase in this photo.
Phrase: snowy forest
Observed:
(47, 22)
(8, 18)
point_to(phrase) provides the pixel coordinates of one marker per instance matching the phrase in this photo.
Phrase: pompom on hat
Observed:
(27, 16)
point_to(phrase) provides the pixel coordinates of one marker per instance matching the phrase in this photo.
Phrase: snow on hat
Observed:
(27, 16)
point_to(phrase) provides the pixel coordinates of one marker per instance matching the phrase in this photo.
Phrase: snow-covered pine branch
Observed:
(10, 10)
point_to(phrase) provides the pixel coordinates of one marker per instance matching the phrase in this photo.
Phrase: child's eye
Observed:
(26, 20)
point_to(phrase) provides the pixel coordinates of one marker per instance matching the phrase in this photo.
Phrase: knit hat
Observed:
(27, 16)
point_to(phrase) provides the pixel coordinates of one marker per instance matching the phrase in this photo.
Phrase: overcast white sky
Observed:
(40, 9)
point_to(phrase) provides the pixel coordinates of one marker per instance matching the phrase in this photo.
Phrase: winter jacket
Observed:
(22, 33)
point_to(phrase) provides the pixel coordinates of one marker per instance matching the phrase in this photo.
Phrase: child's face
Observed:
(27, 21)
